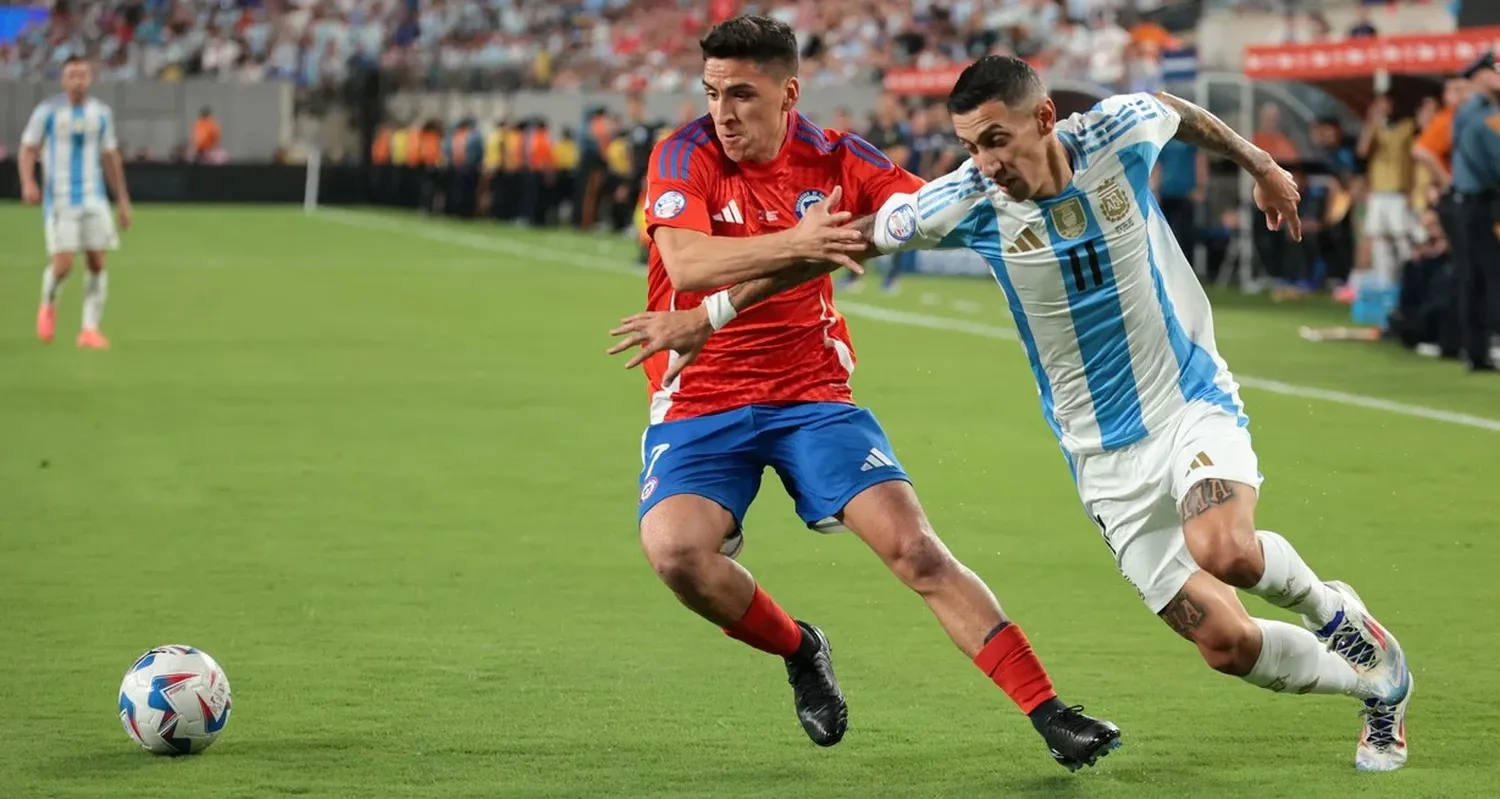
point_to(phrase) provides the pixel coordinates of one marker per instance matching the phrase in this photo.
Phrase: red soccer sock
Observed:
(767, 627)
(1008, 660)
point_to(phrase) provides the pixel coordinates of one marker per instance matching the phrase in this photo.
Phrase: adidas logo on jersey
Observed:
(730, 213)
(1026, 242)
(876, 460)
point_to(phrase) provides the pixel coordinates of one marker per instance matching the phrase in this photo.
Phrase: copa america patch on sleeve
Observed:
(669, 205)
(901, 225)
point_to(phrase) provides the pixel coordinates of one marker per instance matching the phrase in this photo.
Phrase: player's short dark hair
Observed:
(999, 78)
(74, 59)
(767, 42)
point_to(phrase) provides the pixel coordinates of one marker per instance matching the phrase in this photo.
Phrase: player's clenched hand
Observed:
(1277, 196)
(31, 194)
(683, 332)
(125, 214)
(821, 235)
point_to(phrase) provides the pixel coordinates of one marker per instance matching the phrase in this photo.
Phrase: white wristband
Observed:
(720, 310)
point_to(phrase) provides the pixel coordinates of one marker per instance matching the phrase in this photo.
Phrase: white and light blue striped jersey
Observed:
(73, 139)
(1116, 326)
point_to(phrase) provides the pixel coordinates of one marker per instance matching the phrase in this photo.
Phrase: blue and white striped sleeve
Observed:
(36, 127)
(108, 140)
(934, 217)
(1116, 124)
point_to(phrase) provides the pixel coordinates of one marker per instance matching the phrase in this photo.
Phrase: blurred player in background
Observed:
(1120, 338)
(74, 137)
(748, 193)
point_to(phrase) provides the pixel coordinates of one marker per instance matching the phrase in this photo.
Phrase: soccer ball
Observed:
(174, 700)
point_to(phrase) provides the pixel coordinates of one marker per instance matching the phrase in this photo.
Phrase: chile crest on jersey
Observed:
(808, 199)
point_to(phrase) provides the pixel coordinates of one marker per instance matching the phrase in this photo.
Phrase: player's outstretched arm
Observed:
(696, 261)
(114, 174)
(1276, 190)
(31, 193)
(686, 332)
(31, 152)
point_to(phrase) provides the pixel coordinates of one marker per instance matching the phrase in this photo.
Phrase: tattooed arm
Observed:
(1209, 133)
(1276, 190)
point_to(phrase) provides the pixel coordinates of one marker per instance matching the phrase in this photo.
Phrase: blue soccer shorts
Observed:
(826, 453)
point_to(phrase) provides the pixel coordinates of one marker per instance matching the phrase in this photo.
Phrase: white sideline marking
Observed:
(909, 318)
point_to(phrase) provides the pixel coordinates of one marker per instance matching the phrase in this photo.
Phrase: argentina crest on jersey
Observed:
(808, 199)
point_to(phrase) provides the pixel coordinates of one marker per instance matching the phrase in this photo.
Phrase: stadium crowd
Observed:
(592, 44)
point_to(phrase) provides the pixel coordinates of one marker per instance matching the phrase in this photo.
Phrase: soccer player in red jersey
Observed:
(754, 195)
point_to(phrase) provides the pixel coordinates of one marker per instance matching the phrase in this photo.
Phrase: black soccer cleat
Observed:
(1076, 740)
(820, 703)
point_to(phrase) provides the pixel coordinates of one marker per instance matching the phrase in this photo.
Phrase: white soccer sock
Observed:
(1293, 660)
(95, 288)
(1385, 260)
(51, 284)
(1288, 583)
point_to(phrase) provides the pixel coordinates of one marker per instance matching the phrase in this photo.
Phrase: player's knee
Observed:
(1228, 549)
(921, 561)
(1235, 563)
(1229, 648)
(677, 561)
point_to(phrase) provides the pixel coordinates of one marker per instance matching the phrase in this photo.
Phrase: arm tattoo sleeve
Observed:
(1209, 133)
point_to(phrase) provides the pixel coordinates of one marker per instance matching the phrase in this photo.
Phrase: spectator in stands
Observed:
(464, 157)
(1476, 178)
(1424, 317)
(1434, 147)
(1385, 144)
(1338, 171)
(1280, 260)
(1362, 28)
(888, 130)
(206, 136)
(640, 134)
(843, 121)
(565, 158)
(541, 167)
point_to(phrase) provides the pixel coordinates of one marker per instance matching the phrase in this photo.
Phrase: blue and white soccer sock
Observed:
(95, 289)
(1293, 660)
(1287, 582)
(51, 285)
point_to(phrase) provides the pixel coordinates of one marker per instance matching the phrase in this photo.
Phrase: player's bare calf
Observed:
(682, 537)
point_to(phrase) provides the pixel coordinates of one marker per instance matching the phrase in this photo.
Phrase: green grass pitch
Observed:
(382, 470)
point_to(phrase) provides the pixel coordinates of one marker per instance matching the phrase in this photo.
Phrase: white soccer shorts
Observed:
(81, 230)
(1134, 494)
(1389, 214)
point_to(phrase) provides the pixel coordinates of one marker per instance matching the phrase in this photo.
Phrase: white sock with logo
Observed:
(1287, 582)
(1293, 660)
(51, 285)
(95, 289)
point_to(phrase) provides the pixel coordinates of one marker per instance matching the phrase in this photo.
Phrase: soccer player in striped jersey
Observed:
(1120, 339)
(73, 135)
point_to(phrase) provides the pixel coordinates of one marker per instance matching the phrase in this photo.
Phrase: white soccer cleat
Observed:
(1382, 743)
(1354, 635)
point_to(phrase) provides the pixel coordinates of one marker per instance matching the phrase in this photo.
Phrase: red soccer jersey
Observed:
(793, 347)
